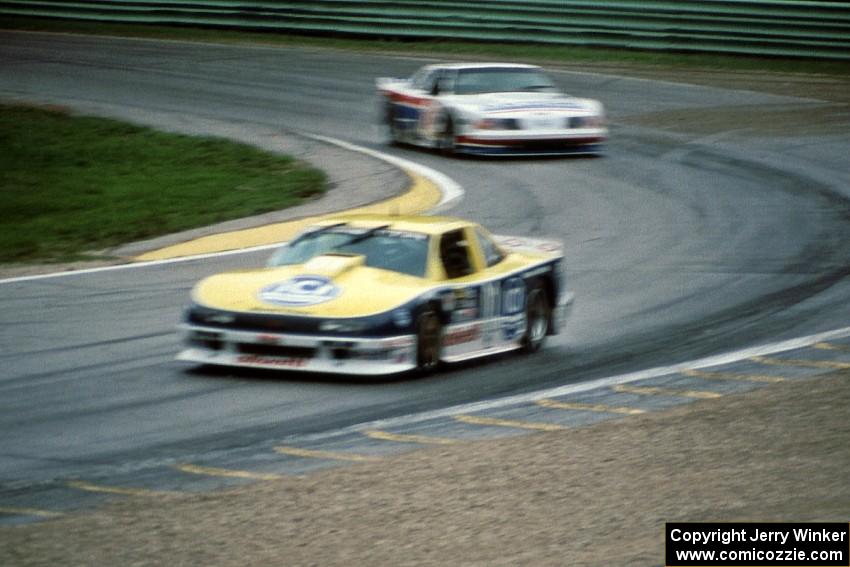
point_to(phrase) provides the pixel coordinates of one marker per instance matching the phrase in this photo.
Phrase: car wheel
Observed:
(429, 336)
(393, 131)
(447, 139)
(538, 314)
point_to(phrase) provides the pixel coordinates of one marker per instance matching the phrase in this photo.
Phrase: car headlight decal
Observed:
(497, 124)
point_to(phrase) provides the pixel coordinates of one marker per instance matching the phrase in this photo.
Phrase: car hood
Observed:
(323, 287)
(523, 103)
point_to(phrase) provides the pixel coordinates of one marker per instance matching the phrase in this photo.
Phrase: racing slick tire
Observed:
(429, 338)
(394, 136)
(447, 138)
(538, 316)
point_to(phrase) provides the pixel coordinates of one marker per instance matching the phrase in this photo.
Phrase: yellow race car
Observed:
(376, 295)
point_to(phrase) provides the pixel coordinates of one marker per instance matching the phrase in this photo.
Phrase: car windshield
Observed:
(398, 251)
(502, 79)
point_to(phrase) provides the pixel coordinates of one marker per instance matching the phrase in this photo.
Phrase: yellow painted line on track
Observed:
(555, 404)
(29, 512)
(229, 473)
(831, 364)
(124, 491)
(830, 346)
(478, 420)
(314, 454)
(733, 376)
(404, 438)
(653, 391)
(422, 195)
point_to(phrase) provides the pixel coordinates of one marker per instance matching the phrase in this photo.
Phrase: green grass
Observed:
(541, 53)
(71, 185)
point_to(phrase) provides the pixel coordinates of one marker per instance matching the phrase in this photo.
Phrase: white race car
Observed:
(490, 109)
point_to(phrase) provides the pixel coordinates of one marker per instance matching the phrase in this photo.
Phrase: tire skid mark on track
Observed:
(119, 490)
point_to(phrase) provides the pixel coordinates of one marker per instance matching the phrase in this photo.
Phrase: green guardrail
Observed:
(796, 28)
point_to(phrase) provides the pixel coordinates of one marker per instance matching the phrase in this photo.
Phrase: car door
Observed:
(502, 295)
(432, 116)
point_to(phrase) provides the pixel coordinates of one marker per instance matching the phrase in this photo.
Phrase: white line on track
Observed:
(534, 397)
(451, 192)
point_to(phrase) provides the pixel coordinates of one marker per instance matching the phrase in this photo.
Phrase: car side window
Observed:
(445, 83)
(492, 254)
(454, 254)
(424, 79)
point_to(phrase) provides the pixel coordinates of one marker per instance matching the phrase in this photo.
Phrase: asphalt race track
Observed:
(681, 243)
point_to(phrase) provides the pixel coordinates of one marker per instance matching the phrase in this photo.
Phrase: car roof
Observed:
(481, 66)
(430, 225)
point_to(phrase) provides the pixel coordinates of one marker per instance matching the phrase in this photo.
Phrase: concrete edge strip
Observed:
(449, 191)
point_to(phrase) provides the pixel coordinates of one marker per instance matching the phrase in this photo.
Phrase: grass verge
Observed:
(71, 185)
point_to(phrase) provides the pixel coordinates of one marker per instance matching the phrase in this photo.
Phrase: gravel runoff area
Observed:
(598, 495)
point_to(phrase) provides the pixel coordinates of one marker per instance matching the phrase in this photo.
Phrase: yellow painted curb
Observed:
(422, 195)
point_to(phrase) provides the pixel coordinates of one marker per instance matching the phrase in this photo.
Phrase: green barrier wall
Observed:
(798, 28)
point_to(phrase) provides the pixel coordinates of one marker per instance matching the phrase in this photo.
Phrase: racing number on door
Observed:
(502, 300)
(514, 297)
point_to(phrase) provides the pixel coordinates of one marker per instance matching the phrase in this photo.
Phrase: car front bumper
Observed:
(481, 142)
(303, 353)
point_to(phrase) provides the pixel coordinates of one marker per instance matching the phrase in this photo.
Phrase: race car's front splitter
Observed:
(530, 146)
(274, 351)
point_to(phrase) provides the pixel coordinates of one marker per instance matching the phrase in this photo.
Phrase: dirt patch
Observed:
(593, 496)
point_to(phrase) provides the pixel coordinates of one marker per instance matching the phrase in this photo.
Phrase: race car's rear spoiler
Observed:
(533, 245)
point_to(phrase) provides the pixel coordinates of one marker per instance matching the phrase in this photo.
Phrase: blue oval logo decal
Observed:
(300, 291)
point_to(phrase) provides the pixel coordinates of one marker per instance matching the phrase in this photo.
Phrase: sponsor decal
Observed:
(300, 291)
(460, 336)
(489, 333)
(513, 296)
(531, 107)
(466, 298)
(401, 342)
(447, 300)
(463, 315)
(513, 327)
(291, 362)
(369, 355)
(513, 308)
